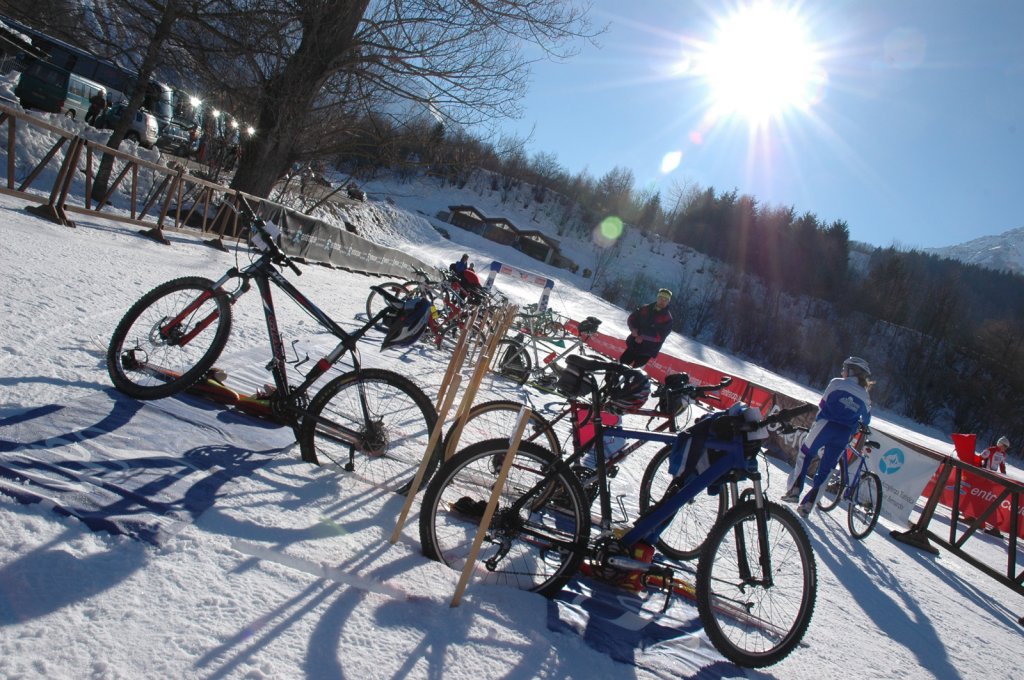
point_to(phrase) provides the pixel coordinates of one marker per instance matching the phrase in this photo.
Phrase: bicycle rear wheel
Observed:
(496, 418)
(755, 618)
(684, 536)
(537, 548)
(376, 302)
(169, 339)
(513, 361)
(832, 492)
(865, 505)
(391, 438)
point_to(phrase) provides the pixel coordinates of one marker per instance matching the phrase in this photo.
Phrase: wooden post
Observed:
(458, 357)
(435, 435)
(492, 504)
(482, 366)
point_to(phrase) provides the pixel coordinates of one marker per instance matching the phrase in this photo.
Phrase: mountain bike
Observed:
(756, 579)
(545, 323)
(370, 421)
(684, 536)
(861, 491)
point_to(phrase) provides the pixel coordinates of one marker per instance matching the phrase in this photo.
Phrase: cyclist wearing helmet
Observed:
(994, 457)
(844, 405)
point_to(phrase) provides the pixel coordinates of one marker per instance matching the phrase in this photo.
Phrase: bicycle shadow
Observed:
(891, 608)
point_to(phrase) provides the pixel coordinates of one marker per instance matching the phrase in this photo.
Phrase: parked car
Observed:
(144, 129)
(176, 139)
(355, 193)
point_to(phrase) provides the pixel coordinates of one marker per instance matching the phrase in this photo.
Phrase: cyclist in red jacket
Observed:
(649, 325)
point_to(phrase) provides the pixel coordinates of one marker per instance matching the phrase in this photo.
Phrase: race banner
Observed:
(904, 470)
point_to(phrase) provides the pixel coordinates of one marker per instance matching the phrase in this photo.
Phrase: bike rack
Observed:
(446, 396)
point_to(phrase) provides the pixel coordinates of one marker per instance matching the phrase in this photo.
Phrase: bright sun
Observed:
(761, 64)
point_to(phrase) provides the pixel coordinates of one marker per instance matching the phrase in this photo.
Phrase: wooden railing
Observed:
(140, 192)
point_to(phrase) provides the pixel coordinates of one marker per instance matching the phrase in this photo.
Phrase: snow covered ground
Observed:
(267, 567)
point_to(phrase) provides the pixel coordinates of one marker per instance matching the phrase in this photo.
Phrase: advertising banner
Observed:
(904, 472)
(310, 239)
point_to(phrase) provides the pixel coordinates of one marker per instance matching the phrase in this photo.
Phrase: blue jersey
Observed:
(845, 403)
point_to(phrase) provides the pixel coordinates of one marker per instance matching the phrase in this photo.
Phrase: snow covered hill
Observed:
(1002, 252)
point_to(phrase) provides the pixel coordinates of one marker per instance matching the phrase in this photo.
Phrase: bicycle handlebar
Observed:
(784, 415)
(259, 225)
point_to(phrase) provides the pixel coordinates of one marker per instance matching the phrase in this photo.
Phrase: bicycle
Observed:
(862, 492)
(685, 535)
(450, 300)
(513, 355)
(756, 579)
(545, 323)
(371, 420)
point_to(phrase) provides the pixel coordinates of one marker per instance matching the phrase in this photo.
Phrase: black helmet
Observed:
(630, 390)
(408, 323)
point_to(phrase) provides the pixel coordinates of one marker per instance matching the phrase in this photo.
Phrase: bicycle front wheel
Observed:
(684, 536)
(169, 339)
(865, 505)
(375, 423)
(536, 546)
(831, 491)
(499, 417)
(756, 593)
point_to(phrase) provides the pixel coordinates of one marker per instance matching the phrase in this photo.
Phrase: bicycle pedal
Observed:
(217, 375)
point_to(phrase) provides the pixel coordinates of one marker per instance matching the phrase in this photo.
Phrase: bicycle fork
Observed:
(742, 552)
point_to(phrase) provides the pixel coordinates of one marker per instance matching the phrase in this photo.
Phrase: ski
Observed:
(212, 387)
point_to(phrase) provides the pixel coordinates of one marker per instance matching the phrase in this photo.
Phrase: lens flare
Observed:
(671, 161)
(608, 231)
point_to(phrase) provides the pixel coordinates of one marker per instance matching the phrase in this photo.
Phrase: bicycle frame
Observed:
(264, 274)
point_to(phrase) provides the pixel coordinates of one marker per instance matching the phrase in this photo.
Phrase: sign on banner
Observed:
(904, 473)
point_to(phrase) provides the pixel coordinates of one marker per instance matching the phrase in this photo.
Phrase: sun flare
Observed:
(761, 64)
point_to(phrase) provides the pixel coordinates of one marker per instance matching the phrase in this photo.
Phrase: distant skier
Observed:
(843, 407)
(649, 325)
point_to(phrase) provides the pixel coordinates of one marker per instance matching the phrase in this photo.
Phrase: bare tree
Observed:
(308, 69)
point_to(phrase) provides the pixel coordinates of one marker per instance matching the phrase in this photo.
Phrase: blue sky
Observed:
(915, 136)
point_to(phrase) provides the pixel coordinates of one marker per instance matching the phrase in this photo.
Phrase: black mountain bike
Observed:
(370, 421)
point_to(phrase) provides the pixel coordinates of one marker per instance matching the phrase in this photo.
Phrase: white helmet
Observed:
(859, 366)
(1003, 441)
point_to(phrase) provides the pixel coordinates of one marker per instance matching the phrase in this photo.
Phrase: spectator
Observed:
(843, 407)
(649, 325)
(97, 104)
(994, 457)
(459, 267)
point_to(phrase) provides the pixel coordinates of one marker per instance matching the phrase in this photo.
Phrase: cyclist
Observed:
(844, 405)
(649, 325)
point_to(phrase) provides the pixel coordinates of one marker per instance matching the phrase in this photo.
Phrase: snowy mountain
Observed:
(1002, 252)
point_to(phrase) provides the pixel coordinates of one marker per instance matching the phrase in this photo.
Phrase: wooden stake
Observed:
(492, 504)
(435, 435)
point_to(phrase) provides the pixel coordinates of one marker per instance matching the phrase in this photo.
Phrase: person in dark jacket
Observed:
(649, 325)
(97, 105)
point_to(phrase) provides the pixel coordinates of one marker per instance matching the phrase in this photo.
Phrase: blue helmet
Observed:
(408, 323)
